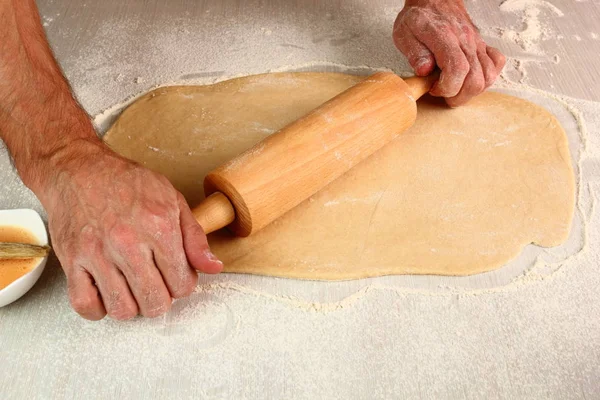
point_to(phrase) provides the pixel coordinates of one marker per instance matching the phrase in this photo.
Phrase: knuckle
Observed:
(88, 234)
(442, 31)
(161, 222)
(469, 35)
(418, 18)
(123, 235)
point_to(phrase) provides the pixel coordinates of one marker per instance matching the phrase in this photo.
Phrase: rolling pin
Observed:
(264, 182)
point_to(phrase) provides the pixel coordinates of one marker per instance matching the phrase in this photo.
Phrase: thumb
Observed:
(195, 243)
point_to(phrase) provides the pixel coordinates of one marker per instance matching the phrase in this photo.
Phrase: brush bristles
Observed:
(22, 251)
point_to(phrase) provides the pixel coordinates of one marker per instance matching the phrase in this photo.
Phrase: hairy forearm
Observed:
(39, 118)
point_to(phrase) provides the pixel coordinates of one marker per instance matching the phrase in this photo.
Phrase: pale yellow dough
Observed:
(461, 192)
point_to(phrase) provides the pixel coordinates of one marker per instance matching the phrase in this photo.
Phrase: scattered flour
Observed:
(370, 199)
(519, 5)
(240, 337)
(133, 56)
(533, 29)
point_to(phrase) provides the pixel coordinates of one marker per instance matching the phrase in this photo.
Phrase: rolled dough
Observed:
(462, 192)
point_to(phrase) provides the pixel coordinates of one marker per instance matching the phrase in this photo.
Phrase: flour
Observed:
(527, 336)
(112, 69)
(249, 154)
(519, 5)
(538, 273)
(371, 199)
(533, 29)
(104, 119)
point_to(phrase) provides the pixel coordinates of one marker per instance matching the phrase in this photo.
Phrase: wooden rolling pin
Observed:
(261, 184)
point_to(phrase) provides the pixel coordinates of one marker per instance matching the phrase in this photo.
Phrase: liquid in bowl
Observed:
(11, 270)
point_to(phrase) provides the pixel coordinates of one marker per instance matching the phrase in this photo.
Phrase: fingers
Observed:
(170, 258)
(147, 285)
(195, 243)
(451, 59)
(490, 73)
(483, 72)
(114, 290)
(418, 55)
(474, 82)
(84, 296)
(134, 259)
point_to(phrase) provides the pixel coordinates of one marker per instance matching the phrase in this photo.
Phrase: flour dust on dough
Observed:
(461, 192)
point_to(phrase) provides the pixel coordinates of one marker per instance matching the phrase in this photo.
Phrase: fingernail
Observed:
(211, 257)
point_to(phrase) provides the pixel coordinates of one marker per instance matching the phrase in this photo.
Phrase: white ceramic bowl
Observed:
(31, 221)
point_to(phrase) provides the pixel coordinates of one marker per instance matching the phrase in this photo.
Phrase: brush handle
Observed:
(22, 250)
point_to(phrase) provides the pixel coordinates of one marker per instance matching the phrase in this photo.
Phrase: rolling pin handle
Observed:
(421, 85)
(214, 213)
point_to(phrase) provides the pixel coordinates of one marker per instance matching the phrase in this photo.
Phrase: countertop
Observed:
(530, 330)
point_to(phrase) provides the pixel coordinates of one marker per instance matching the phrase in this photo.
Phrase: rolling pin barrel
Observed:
(261, 184)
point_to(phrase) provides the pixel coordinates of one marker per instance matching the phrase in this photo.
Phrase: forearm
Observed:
(39, 117)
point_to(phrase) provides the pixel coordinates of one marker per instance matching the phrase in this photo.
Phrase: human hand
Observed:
(125, 237)
(431, 32)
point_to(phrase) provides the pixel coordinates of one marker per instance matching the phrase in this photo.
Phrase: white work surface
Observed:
(529, 330)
